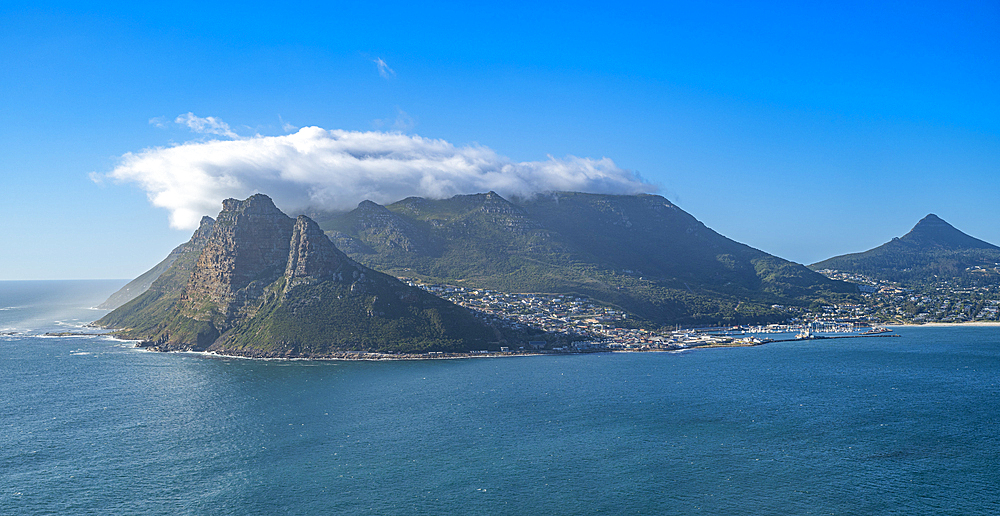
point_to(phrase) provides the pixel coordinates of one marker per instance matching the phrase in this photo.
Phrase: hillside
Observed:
(931, 252)
(267, 285)
(638, 252)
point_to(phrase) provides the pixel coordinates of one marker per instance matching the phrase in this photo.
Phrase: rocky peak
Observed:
(248, 248)
(414, 205)
(258, 204)
(393, 230)
(204, 231)
(311, 254)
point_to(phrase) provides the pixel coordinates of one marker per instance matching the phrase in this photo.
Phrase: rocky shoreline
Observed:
(339, 355)
(437, 355)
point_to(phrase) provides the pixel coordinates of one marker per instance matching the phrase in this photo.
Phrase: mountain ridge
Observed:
(641, 253)
(267, 285)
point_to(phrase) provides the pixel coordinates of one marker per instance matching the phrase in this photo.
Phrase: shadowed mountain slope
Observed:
(932, 251)
(638, 252)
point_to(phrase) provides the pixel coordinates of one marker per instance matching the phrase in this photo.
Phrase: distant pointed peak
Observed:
(933, 222)
(934, 231)
(493, 197)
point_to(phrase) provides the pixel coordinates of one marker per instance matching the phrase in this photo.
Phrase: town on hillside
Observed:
(588, 326)
(940, 302)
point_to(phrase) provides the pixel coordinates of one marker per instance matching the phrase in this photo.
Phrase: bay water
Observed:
(91, 425)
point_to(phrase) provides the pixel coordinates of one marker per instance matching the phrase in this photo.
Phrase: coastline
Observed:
(351, 356)
(947, 325)
(348, 356)
(370, 356)
(367, 356)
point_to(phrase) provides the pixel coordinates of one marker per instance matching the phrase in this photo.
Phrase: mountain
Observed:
(638, 252)
(932, 251)
(186, 252)
(266, 285)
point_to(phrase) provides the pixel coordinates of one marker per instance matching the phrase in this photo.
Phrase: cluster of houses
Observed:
(557, 313)
(942, 302)
(589, 326)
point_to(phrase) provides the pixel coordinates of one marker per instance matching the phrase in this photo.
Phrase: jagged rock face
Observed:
(202, 234)
(311, 253)
(248, 250)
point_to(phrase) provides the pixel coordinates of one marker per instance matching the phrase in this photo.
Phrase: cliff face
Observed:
(311, 254)
(247, 251)
(267, 285)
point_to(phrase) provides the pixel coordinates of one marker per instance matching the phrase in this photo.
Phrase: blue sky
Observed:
(804, 130)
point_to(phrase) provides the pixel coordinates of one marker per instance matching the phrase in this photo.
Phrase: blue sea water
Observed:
(89, 425)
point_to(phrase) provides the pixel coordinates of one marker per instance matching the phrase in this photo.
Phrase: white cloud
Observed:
(336, 170)
(383, 69)
(207, 125)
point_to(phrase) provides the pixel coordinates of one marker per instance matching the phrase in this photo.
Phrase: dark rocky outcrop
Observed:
(311, 254)
(246, 252)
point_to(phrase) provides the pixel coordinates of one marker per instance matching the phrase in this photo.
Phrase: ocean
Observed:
(90, 425)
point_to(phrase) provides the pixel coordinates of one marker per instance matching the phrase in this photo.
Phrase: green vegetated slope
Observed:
(266, 285)
(931, 252)
(638, 252)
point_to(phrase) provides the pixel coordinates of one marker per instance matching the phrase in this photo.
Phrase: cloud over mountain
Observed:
(334, 169)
